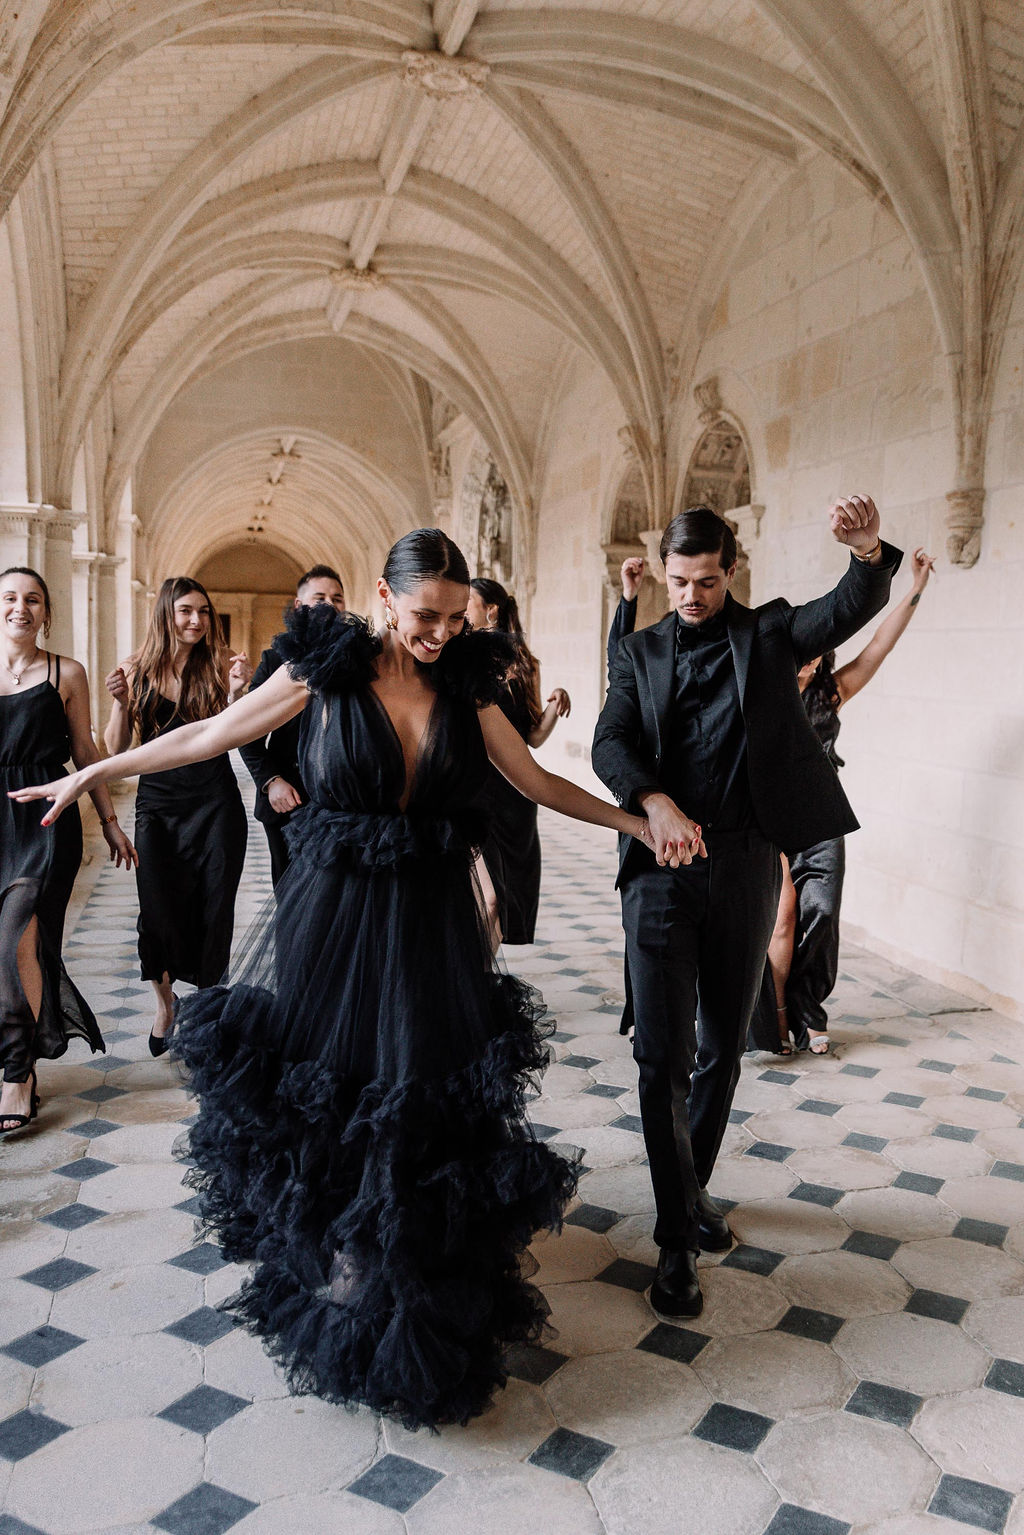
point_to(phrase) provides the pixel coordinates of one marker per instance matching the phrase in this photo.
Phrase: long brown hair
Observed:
(203, 690)
(522, 674)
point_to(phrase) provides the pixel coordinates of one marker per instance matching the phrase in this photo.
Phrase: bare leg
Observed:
(164, 1006)
(16, 1097)
(489, 902)
(780, 948)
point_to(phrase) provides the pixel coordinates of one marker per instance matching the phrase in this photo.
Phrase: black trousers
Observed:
(696, 938)
(279, 855)
(817, 874)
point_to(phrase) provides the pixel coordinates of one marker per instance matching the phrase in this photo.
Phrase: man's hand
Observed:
(632, 576)
(282, 796)
(676, 839)
(855, 523)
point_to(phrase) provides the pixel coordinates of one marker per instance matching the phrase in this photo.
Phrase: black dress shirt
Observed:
(705, 763)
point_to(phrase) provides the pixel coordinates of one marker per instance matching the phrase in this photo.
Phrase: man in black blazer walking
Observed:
(704, 732)
(273, 761)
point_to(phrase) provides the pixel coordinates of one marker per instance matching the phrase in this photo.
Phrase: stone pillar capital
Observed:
(964, 518)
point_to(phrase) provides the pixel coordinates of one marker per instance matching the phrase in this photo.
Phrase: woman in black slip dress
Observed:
(361, 1133)
(190, 826)
(803, 956)
(509, 865)
(44, 721)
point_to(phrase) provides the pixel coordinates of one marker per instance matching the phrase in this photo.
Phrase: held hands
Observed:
(282, 796)
(632, 573)
(675, 840)
(855, 523)
(121, 850)
(562, 703)
(924, 564)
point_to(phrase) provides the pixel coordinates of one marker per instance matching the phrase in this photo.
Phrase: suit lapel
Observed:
(740, 624)
(659, 658)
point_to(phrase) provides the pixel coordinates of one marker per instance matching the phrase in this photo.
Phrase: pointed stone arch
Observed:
(719, 475)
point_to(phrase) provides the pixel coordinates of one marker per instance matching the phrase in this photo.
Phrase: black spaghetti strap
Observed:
(57, 683)
(49, 660)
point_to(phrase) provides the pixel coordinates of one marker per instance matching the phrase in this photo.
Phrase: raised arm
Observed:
(853, 676)
(278, 700)
(828, 621)
(510, 756)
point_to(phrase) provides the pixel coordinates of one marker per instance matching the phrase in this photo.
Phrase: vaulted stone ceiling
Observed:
(456, 202)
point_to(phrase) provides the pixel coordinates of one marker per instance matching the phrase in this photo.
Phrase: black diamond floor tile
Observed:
(544, 1132)
(904, 1100)
(91, 1128)
(954, 1133)
(192, 1206)
(11, 1526)
(988, 1233)
(1006, 1375)
(26, 1432)
(533, 1363)
(72, 1217)
(593, 1218)
(945, 1067)
(941, 1308)
(582, 1062)
(206, 1510)
(820, 1326)
(605, 1090)
(852, 1070)
(891, 1039)
(110, 1062)
(861, 1142)
(819, 1106)
(873, 1400)
(84, 1168)
(631, 1122)
(201, 1327)
(395, 1482)
(817, 1194)
(918, 1183)
(102, 1094)
(769, 1151)
(733, 1427)
(38, 1347)
(571, 1454)
(1010, 1170)
(739, 1116)
(203, 1409)
(780, 1078)
(59, 1274)
(791, 1519)
(627, 1274)
(976, 1503)
(986, 1094)
(204, 1259)
(753, 1260)
(670, 1342)
(870, 1244)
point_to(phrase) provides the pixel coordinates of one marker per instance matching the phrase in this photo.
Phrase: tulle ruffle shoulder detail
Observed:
(473, 666)
(331, 652)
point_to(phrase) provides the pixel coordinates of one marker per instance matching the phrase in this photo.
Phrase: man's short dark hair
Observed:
(320, 573)
(699, 530)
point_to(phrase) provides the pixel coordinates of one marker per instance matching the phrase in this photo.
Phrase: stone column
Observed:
(15, 535)
(58, 569)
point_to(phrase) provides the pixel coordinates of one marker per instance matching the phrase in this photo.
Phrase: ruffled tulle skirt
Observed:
(361, 1135)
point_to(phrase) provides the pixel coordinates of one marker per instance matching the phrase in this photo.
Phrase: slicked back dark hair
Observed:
(699, 530)
(425, 554)
(319, 573)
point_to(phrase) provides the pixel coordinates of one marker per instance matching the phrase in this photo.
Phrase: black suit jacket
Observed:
(274, 755)
(796, 793)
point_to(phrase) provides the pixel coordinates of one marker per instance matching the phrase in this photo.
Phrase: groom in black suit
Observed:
(704, 731)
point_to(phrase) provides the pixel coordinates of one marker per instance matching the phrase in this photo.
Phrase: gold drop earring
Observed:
(390, 621)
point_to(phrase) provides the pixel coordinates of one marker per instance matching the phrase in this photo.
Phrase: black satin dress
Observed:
(191, 832)
(511, 848)
(361, 1131)
(38, 865)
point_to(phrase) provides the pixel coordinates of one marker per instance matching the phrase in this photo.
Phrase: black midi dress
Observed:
(511, 847)
(190, 833)
(361, 1133)
(38, 865)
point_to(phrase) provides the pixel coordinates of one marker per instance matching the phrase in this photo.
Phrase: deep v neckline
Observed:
(409, 780)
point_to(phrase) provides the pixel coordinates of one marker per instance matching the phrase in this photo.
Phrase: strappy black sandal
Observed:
(21, 1120)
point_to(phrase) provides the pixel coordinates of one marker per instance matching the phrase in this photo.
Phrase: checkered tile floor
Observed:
(859, 1363)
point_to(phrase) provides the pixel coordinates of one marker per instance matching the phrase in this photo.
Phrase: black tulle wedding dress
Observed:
(361, 1131)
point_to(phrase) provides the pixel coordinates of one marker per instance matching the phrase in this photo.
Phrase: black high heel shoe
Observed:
(21, 1120)
(159, 1044)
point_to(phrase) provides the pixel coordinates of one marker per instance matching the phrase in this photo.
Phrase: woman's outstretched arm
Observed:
(278, 700)
(856, 673)
(510, 756)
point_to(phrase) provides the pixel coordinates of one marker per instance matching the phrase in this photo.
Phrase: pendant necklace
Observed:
(18, 675)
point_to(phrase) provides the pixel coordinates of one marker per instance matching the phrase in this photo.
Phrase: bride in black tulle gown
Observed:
(361, 1134)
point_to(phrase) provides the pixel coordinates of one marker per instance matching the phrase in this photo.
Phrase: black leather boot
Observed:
(676, 1287)
(713, 1229)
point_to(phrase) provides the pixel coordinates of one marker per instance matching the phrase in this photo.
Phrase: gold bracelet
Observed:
(870, 554)
(106, 820)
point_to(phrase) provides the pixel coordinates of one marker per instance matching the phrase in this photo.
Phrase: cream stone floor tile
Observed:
(225, 1282)
(256, 1453)
(143, 1108)
(938, 1157)
(60, 1078)
(1005, 1144)
(238, 1363)
(15, 1388)
(624, 1189)
(736, 1301)
(1000, 1200)
(789, 1226)
(977, 1434)
(848, 1467)
(125, 1470)
(603, 1146)
(925, 1084)
(327, 1513)
(962, 1268)
(746, 1179)
(843, 1283)
(562, 1082)
(22, 1307)
(774, 1373)
(518, 1420)
(117, 1377)
(619, 1071)
(584, 1112)
(972, 1113)
(1014, 1243)
(682, 1487)
(139, 1186)
(132, 1236)
(39, 1149)
(842, 1167)
(999, 1326)
(634, 1238)
(795, 1127)
(996, 1075)
(890, 1120)
(914, 1353)
(596, 1318)
(735, 1142)
(900, 1213)
(509, 1500)
(916, 1524)
(627, 1397)
(146, 1075)
(573, 1254)
(149, 1143)
(25, 1244)
(127, 1301)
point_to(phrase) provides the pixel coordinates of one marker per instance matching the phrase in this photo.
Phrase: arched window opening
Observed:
(718, 475)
